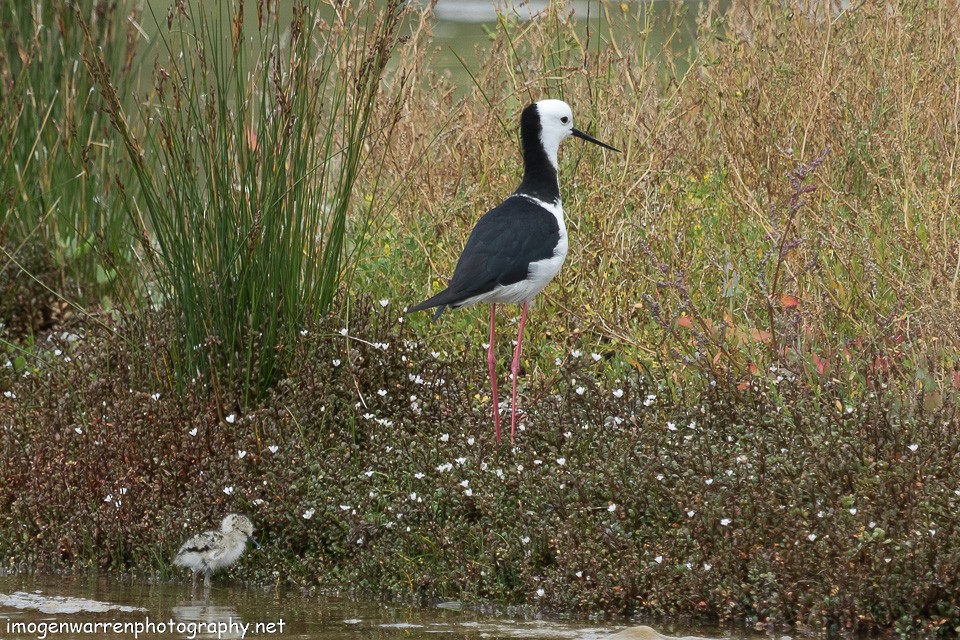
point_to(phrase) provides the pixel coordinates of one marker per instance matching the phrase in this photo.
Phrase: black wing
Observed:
(499, 251)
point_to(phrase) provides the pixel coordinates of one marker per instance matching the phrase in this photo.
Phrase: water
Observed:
(176, 611)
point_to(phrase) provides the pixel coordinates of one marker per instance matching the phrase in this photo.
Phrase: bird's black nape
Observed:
(539, 175)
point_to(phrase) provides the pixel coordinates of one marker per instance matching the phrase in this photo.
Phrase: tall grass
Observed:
(60, 228)
(857, 284)
(248, 161)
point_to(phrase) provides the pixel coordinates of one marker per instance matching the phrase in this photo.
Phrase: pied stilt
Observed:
(212, 550)
(517, 247)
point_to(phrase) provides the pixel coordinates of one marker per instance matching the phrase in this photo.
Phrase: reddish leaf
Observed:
(743, 386)
(788, 301)
(759, 335)
(955, 377)
(820, 363)
(685, 321)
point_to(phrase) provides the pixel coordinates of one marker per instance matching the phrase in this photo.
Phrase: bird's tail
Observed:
(436, 301)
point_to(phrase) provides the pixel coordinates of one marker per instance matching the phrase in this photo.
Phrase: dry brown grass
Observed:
(872, 255)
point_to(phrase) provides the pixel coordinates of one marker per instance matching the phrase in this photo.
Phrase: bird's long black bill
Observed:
(583, 136)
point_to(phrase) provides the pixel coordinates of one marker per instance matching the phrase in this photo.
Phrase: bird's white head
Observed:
(556, 124)
(237, 522)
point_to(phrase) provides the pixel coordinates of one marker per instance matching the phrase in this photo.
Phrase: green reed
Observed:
(248, 161)
(60, 228)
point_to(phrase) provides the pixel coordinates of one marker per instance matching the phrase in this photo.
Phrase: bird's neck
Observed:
(539, 169)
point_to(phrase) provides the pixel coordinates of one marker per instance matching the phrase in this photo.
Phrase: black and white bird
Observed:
(213, 550)
(518, 247)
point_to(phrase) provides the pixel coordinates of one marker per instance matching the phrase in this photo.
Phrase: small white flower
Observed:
(579, 574)
(538, 462)
(419, 476)
(932, 532)
(707, 566)
(445, 437)
(413, 495)
(580, 391)
(241, 454)
(576, 353)
(812, 537)
(109, 498)
(853, 511)
(336, 362)
(724, 522)
(461, 460)
(57, 352)
(658, 559)
(465, 483)
(10, 394)
(872, 524)
(709, 481)
(382, 393)
(691, 513)
(309, 513)
(343, 331)
(345, 507)
(499, 473)
(193, 432)
(155, 397)
(913, 447)
(78, 430)
(384, 302)
(519, 468)
(612, 507)
(671, 426)
(368, 473)
(435, 354)
(525, 539)
(231, 418)
(228, 491)
(561, 461)
(303, 332)
(273, 448)
(618, 393)
(471, 440)
(596, 357)
(468, 492)
(660, 477)
(540, 593)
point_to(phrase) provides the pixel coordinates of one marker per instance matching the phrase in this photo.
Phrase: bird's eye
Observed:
(564, 119)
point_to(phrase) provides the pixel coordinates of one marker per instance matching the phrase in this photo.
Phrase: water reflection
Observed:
(231, 611)
(214, 621)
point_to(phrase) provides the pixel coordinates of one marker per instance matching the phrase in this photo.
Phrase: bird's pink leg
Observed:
(515, 369)
(492, 365)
